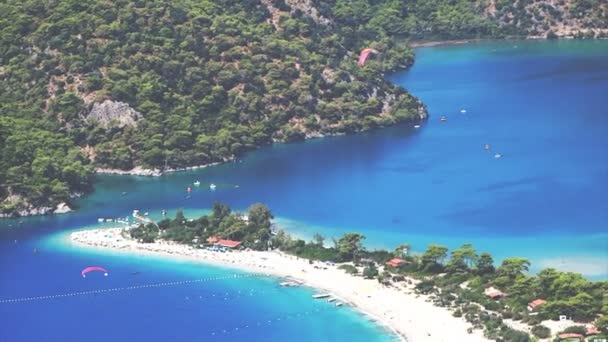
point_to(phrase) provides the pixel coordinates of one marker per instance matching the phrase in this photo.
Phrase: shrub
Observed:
(515, 336)
(541, 331)
(576, 329)
(457, 313)
(370, 271)
(350, 269)
(551, 35)
(493, 306)
(425, 286)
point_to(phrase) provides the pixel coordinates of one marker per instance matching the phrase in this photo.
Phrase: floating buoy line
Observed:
(243, 327)
(131, 288)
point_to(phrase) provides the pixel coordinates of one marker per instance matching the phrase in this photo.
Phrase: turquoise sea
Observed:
(542, 105)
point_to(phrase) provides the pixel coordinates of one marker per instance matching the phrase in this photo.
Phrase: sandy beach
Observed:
(413, 317)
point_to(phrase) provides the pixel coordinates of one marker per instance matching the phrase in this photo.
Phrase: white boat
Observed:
(197, 183)
(339, 303)
(329, 300)
(212, 186)
(463, 111)
(100, 220)
(497, 155)
(416, 126)
(321, 295)
(289, 284)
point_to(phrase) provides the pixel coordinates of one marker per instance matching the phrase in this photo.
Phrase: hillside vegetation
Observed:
(167, 84)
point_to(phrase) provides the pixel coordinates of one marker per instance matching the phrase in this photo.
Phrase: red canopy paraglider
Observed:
(93, 268)
(364, 54)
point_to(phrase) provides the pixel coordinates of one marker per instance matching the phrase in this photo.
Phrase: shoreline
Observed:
(409, 316)
(139, 171)
(431, 43)
(434, 43)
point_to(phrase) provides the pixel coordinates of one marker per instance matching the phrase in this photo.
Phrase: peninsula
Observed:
(412, 295)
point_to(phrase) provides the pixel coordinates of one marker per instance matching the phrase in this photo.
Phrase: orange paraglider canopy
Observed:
(364, 54)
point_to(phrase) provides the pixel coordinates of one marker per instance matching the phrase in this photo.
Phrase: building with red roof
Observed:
(223, 242)
(592, 330)
(494, 293)
(533, 305)
(396, 262)
(564, 336)
(228, 243)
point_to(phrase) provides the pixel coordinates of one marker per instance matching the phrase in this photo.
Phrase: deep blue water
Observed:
(542, 105)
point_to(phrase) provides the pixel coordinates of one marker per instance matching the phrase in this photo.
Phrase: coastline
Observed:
(410, 316)
(430, 43)
(140, 171)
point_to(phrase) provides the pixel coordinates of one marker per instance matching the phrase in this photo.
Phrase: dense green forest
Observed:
(167, 84)
(455, 279)
(254, 229)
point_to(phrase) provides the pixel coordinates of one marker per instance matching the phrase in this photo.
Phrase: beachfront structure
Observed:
(223, 243)
(494, 293)
(533, 305)
(592, 330)
(570, 336)
(396, 262)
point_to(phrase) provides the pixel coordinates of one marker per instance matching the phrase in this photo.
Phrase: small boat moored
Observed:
(321, 295)
(212, 186)
(443, 118)
(197, 183)
(486, 147)
(289, 284)
(497, 155)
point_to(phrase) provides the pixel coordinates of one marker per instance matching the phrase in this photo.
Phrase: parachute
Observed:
(93, 268)
(364, 54)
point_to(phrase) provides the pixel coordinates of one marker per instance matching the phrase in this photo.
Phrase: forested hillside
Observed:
(167, 84)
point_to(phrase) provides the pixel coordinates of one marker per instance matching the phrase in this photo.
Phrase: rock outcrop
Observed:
(110, 114)
(309, 9)
(62, 208)
(16, 206)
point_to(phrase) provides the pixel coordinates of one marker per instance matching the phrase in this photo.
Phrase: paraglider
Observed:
(364, 54)
(93, 268)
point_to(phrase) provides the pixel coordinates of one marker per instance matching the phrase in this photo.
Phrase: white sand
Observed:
(411, 316)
